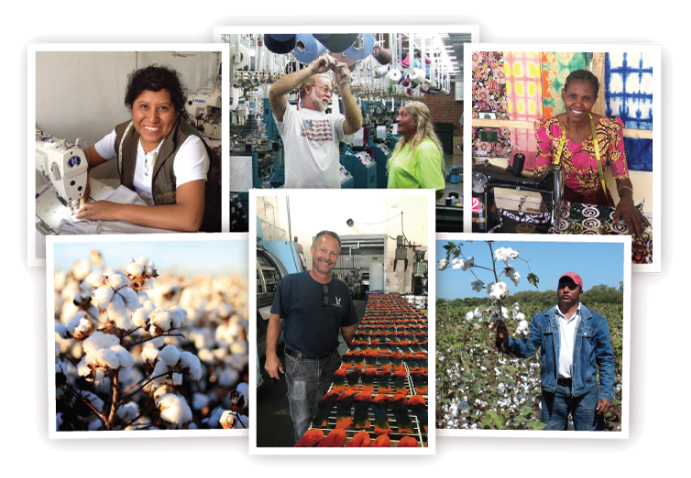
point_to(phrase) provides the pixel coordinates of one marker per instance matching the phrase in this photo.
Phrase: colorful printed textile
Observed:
(629, 94)
(523, 71)
(629, 88)
(489, 95)
(556, 66)
(595, 219)
(579, 161)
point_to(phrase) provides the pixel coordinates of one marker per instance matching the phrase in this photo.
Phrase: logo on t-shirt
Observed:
(338, 302)
(317, 130)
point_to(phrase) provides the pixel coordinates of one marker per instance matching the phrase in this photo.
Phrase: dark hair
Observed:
(157, 78)
(327, 233)
(583, 75)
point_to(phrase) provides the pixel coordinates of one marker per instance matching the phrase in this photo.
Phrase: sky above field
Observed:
(596, 263)
(209, 257)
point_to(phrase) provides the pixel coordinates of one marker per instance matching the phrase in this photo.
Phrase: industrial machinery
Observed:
(361, 166)
(275, 260)
(487, 217)
(420, 273)
(204, 110)
(63, 166)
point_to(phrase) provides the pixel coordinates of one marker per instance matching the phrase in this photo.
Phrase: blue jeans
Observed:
(308, 380)
(556, 407)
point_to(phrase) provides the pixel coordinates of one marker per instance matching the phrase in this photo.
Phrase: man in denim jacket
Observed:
(573, 342)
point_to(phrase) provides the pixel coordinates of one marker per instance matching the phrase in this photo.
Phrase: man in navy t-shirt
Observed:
(311, 308)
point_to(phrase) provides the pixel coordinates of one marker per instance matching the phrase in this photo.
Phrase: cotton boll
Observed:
(516, 278)
(244, 390)
(477, 285)
(213, 419)
(177, 315)
(83, 329)
(130, 297)
(206, 356)
(117, 281)
(457, 263)
(92, 282)
(160, 318)
(99, 340)
(170, 355)
(504, 313)
(191, 365)
(443, 264)
(240, 346)
(128, 412)
(150, 354)
(134, 269)
(174, 410)
(469, 317)
(160, 369)
(497, 291)
(124, 356)
(140, 317)
(117, 312)
(80, 270)
(103, 296)
(161, 391)
(177, 379)
(62, 331)
(468, 263)
(199, 401)
(228, 377)
(103, 358)
(83, 369)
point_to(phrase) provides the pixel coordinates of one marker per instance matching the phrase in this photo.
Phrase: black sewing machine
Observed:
(488, 218)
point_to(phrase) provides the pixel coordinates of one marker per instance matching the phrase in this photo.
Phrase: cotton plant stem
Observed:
(150, 379)
(491, 253)
(88, 403)
(115, 390)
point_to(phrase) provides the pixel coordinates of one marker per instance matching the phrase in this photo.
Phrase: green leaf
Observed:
(536, 425)
(487, 421)
(492, 414)
(525, 410)
(533, 279)
(521, 419)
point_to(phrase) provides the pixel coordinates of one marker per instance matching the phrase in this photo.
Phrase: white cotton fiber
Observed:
(116, 281)
(117, 312)
(199, 401)
(174, 410)
(191, 365)
(103, 295)
(170, 355)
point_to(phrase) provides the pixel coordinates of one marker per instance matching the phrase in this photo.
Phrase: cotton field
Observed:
(139, 350)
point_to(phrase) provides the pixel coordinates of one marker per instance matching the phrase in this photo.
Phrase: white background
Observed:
(660, 335)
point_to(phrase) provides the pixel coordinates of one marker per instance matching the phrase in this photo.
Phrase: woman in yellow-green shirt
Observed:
(416, 162)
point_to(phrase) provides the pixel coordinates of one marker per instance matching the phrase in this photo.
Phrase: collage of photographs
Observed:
(469, 216)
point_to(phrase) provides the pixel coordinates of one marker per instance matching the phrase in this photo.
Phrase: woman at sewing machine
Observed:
(582, 143)
(416, 161)
(160, 156)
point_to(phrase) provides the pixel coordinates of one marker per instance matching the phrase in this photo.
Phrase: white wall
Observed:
(81, 94)
(309, 215)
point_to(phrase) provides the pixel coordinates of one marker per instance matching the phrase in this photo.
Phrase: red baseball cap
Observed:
(574, 277)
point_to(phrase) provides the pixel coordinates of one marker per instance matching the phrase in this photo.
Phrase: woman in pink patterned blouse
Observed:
(568, 140)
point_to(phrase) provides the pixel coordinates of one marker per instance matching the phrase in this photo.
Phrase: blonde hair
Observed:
(423, 127)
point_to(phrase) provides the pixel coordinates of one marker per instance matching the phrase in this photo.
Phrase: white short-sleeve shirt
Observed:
(191, 163)
(310, 144)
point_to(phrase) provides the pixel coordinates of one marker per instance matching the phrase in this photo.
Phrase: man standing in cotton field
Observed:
(311, 136)
(312, 308)
(574, 342)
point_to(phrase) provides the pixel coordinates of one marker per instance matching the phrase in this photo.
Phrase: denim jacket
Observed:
(592, 347)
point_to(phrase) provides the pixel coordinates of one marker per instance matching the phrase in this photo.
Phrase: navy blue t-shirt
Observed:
(310, 327)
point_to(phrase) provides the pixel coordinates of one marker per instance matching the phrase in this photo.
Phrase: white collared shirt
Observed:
(567, 339)
(191, 163)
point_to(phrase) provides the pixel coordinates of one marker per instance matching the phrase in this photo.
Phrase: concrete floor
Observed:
(274, 426)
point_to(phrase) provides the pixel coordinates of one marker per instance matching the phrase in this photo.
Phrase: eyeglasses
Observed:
(325, 89)
(325, 295)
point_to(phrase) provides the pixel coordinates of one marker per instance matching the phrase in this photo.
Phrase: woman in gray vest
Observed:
(161, 157)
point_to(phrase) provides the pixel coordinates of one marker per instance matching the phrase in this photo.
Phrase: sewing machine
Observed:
(488, 178)
(63, 166)
(204, 110)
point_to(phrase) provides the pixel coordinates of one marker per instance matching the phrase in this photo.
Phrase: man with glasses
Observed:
(312, 308)
(311, 136)
(574, 346)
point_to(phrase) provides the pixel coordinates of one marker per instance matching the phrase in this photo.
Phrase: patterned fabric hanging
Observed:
(523, 72)
(489, 95)
(629, 95)
(556, 66)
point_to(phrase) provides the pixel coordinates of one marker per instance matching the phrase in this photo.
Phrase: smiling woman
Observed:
(160, 156)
